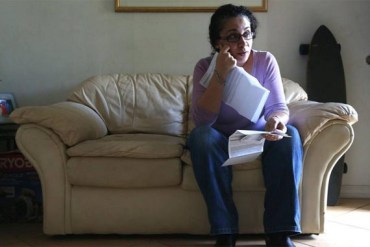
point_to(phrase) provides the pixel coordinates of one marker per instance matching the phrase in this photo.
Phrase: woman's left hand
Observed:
(274, 124)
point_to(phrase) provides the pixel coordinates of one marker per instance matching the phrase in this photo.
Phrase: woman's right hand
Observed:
(225, 61)
(212, 96)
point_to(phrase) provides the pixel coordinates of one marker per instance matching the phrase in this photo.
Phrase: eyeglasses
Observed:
(235, 37)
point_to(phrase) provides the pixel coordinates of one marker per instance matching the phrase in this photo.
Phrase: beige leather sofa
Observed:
(112, 158)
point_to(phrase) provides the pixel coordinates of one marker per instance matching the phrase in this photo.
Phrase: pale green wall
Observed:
(48, 46)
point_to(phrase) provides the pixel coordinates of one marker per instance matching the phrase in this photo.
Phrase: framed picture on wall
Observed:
(7, 105)
(184, 5)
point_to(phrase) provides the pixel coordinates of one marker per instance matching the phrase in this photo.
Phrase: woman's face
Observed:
(237, 34)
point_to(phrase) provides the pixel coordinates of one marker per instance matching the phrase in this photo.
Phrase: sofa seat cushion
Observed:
(113, 172)
(142, 146)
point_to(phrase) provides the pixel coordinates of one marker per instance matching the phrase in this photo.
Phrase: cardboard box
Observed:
(20, 189)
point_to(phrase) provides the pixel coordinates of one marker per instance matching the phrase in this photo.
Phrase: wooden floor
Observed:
(347, 225)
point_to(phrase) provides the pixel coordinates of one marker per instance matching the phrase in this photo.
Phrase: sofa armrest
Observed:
(310, 117)
(326, 133)
(321, 154)
(49, 159)
(72, 122)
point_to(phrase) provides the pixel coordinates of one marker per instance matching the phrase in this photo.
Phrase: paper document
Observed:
(242, 91)
(247, 145)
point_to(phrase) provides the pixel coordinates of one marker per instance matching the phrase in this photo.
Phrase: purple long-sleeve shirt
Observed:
(267, 72)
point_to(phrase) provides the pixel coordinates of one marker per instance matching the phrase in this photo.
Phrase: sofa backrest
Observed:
(293, 91)
(145, 103)
(149, 103)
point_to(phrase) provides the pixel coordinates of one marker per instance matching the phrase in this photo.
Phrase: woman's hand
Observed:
(225, 62)
(212, 97)
(274, 123)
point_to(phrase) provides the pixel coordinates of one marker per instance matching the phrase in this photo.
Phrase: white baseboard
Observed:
(355, 191)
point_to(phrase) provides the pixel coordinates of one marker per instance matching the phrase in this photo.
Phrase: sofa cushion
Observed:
(72, 122)
(142, 146)
(146, 103)
(108, 172)
(293, 91)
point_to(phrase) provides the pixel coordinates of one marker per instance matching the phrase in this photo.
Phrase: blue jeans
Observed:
(281, 167)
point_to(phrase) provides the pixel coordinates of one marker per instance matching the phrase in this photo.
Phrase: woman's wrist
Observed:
(279, 117)
(276, 117)
(220, 79)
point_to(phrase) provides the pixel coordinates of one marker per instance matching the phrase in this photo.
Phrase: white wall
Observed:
(49, 46)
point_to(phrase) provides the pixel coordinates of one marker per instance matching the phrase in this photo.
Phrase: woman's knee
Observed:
(295, 136)
(204, 136)
(292, 131)
(207, 143)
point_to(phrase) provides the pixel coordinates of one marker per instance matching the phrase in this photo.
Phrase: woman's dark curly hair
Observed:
(224, 13)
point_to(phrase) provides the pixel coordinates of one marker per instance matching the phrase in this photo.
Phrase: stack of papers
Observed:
(243, 92)
(246, 145)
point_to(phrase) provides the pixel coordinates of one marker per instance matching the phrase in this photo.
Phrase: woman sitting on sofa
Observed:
(231, 32)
